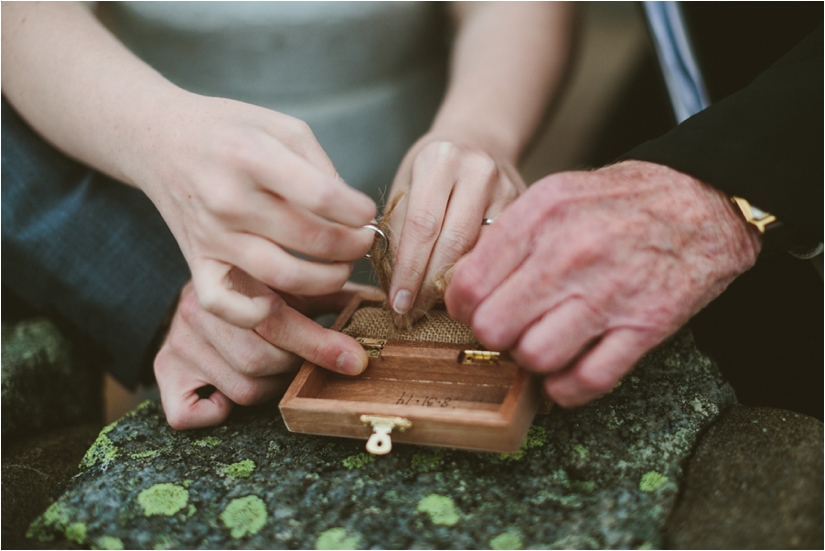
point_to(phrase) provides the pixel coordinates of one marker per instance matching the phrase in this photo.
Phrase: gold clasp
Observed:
(380, 442)
(372, 346)
(478, 357)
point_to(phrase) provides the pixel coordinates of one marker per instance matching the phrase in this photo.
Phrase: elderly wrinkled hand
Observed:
(587, 271)
(246, 366)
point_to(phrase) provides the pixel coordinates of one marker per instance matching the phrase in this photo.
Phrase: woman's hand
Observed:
(241, 186)
(238, 185)
(447, 188)
(507, 62)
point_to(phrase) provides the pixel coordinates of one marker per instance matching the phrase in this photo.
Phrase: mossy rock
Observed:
(582, 478)
(46, 383)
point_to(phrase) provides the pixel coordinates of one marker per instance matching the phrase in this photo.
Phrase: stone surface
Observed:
(604, 475)
(34, 474)
(44, 383)
(754, 482)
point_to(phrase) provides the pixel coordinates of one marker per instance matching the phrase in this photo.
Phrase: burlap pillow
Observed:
(436, 326)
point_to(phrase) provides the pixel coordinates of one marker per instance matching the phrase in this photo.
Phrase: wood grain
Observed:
(478, 407)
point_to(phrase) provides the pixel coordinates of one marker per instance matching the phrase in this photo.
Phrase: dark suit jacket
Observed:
(762, 139)
(764, 142)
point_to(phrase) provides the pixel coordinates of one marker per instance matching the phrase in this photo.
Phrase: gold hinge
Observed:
(478, 357)
(372, 346)
(380, 442)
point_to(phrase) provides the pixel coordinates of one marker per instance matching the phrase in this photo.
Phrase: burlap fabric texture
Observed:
(436, 326)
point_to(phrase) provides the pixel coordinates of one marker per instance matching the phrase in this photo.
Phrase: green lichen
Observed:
(191, 511)
(108, 542)
(163, 499)
(506, 541)
(186, 482)
(165, 541)
(515, 456)
(441, 509)
(581, 450)
(645, 546)
(357, 461)
(245, 515)
(143, 405)
(103, 449)
(209, 441)
(337, 538)
(76, 532)
(536, 438)
(425, 460)
(141, 455)
(55, 517)
(650, 481)
(241, 469)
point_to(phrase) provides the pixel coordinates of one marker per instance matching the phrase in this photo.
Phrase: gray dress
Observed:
(366, 76)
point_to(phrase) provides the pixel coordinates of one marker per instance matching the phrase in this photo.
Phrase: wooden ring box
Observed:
(418, 391)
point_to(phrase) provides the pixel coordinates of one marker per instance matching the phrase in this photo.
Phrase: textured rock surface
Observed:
(34, 474)
(605, 475)
(44, 385)
(755, 482)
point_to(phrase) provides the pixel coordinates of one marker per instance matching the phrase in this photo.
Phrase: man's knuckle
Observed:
(588, 249)
(467, 284)
(531, 356)
(593, 381)
(488, 333)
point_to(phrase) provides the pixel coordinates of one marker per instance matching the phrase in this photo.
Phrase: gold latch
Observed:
(380, 442)
(478, 357)
(372, 346)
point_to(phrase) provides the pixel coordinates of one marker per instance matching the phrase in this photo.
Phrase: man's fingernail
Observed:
(402, 302)
(349, 364)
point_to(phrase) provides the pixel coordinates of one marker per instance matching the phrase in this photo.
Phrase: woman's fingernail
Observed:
(349, 364)
(402, 302)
